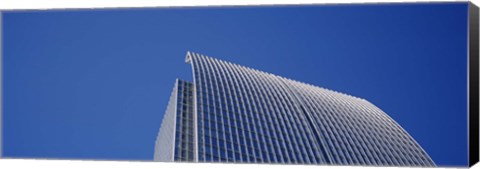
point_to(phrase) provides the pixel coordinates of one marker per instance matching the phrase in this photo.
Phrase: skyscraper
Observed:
(232, 113)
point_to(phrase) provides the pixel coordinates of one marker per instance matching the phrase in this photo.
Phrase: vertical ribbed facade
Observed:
(175, 141)
(243, 115)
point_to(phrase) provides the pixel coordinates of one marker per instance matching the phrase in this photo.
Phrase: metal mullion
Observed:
(362, 109)
(304, 103)
(333, 114)
(198, 65)
(328, 141)
(379, 157)
(271, 135)
(241, 104)
(331, 111)
(399, 158)
(346, 134)
(355, 130)
(297, 121)
(279, 138)
(325, 115)
(386, 117)
(235, 103)
(280, 95)
(210, 94)
(248, 90)
(261, 98)
(222, 72)
(216, 97)
(348, 140)
(280, 112)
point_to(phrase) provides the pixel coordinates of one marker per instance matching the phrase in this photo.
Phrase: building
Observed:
(232, 113)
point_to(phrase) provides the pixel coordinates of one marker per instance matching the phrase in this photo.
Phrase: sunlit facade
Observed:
(232, 113)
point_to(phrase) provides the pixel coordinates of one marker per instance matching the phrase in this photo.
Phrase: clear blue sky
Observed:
(94, 84)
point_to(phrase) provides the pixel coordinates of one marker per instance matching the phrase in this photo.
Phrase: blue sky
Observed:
(94, 84)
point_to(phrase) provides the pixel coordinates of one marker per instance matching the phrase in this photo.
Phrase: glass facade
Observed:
(242, 115)
(175, 141)
(184, 145)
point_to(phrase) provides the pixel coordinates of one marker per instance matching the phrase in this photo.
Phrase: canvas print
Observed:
(375, 84)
